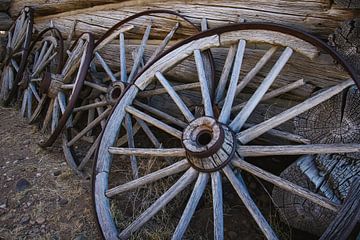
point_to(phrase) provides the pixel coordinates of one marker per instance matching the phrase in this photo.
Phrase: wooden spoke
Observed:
(284, 184)
(283, 135)
(254, 132)
(29, 103)
(244, 114)
(112, 36)
(89, 154)
(160, 203)
(38, 109)
(203, 84)
(34, 91)
(175, 97)
(218, 214)
(225, 74)
(131, 144)
(140, 54)
(123, 76)
(24, 102)
(229, 99)
(41, 55)
(105, 67)
(55, 115)
(241, 190)
(48, 115)
(90, 118)
(99, 111)
(277, 150)
(155, 122)
(176, 88)
(89, 126)
(44, 64)
(15, 65)
(259, 65)
(274, 93)
(164, 43)
(149, 133)
(90, 106)
(191, 206)
(122, 140)
(151, 152)
(175, 168)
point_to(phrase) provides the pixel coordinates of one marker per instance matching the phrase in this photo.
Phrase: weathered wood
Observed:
(278, 150)
(131, 144)
(149, 152)
(191, 206)
(155, 122)
(240, 119)
(5, 21)
(346, 223)
(254, 132)
(4, 5)
(345, 40)
(235, 75)
(318, 17)
(158, 91)
(160, 203)
(249, 203)
(354, 4)
(218, 212)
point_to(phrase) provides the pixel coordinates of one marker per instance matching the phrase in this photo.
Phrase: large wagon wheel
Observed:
(57, 102)
(45, 59)
(18, 42)
(106, 83)
(212, 146)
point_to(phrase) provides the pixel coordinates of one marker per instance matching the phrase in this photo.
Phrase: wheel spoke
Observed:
(259, 65)
(229, 99)
(191, 205)
(33, 90)
(41, 55)
(164, 43)
(123, 70)
(274, 93)
(24, 102)
(131, 144)
(175, 97)
(175, 168)
(158, 91)
(140, 54)
(89, 153)
(284, 184)
(15, 65)
(55, 115)
(241, 190)
(149, 133)
(244, 114)
(155, 122)
(38, 109)
(225, 74)
(254, 132)
(218, 213)
(90, 118)
(105, 67)
(48, 115)
(90, 106)
(277, 150)
(89, 126)
(29, 103)
(203, 84)
(150, 152)
(160, 203)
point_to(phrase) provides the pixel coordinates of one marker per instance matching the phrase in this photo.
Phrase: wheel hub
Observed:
(115, 91)
(50, 84)
(209, 144)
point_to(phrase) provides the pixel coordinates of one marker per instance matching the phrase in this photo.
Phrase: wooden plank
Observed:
(149, 152)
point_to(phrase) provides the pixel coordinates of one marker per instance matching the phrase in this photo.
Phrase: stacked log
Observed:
(5, 20)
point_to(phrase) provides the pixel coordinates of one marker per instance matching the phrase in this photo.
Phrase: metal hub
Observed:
(115, 91)
(209, 144)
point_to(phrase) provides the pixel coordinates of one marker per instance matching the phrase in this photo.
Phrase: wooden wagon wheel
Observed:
(18, 43)
(212, 146)
(106, 83)
(57, 102)
(45, 58)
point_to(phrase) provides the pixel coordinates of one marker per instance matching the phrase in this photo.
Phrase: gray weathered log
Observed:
(352, 4)
(4, 5)
(5, 21)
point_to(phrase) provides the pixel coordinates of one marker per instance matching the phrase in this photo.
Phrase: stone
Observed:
(80, 237)
(63, 201)
(40, 220)
(57, 173)
(22, 185)
(25, 219)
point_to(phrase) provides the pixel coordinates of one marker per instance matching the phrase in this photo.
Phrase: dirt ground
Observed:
(40, 198)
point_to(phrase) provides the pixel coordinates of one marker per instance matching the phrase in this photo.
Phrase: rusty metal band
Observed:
(82, 72)
(24, 57)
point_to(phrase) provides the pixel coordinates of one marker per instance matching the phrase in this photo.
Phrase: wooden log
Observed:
(319, 17)
(353, 4)
(346, 223)
(346, 41)
(4, 5)
(5, 21)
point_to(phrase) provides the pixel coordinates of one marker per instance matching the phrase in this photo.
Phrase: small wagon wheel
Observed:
(212, 147)
(104, 86)
(18, 42)
(59, 102)
(45, 58)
